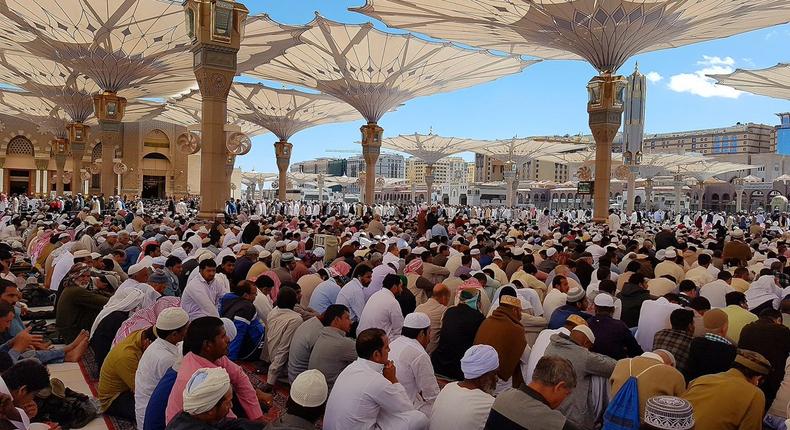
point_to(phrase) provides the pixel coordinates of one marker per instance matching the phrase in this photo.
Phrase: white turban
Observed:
(479, 360)
(230, 328)
(205, 389)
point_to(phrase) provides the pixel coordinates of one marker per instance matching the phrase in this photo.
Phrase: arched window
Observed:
(20, 145)
(96, 153)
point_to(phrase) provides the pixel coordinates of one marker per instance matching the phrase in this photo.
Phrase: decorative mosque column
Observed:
(605, 108)
(216, 32)
(371, 148)
(78, 135)
(739, 191)
(678, 182)
(700, 193)
(60, 149)
(413, 189)
(648, 193)
(282, 150)
(429, 178)
(41, 176)
(320, 188)
(510, 179)
(109, 110)
(2, 174)
(86, 177)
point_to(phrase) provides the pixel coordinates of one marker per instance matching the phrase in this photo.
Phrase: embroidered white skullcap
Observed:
(172, 319)
(669, 413)
(586, 331)
(309, 389)
(417, 320)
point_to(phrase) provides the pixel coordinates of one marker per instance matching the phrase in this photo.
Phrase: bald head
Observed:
(667, 357)
(441, 294)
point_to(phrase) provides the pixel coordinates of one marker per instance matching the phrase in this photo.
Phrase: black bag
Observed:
(71, 410)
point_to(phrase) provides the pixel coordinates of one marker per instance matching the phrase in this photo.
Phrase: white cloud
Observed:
(653, 77)
(708, 60)
(699, 84)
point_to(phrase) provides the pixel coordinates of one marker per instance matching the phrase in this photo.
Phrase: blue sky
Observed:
(550, 97)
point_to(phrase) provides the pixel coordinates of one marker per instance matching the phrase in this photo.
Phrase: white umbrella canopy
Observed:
(772, 82)
(783, 178)
(751, 178)
(603, 32)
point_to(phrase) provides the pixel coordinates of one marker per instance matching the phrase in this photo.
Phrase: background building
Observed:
(783, 133)
(387, 166)
(445, 171)
(156, 168)
(327, 166)
(739, 138)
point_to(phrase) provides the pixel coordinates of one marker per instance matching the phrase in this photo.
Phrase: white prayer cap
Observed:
(95, 255)
(82, 254)
(418, 250)
(497, 256)
(479, 360)
(172, 319)
(292, 245)
(264, 254)
(64, 236)
(255, 218)
(475, 251)
(597, 238)
(279, 244)
(309, 389)
(230, 328)
(670, 254)
(204, 254)
(660, 254)
(586, 331)
(433, 245)
(319, 252)
(205, 389)
(202, 230)
(173, 237)
(518, 251)
(604, 300)
(159, 261)
(417, 320)
(551, 252)
(137, 267)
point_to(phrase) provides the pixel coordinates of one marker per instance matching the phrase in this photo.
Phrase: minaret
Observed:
(633, 129)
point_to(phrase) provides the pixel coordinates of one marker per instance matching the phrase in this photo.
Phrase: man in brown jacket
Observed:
(737, 248)
(655, 373)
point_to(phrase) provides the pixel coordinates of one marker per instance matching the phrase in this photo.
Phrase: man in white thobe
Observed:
(367, 394)
(653, 316)
(203, 293)
(383, 310)
(413, 364)
(138, 279)
(171, 327)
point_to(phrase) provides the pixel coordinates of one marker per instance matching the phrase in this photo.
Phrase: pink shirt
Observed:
(242, 387)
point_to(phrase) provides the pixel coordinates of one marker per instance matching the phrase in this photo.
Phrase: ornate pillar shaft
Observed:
(282, 150)
(631, 193)
(510, 179)
(60, 164)
(109, 109)
(216, 30)
(320, 188)
(605, 109)
(2, 174)
(371, 148)
(678, 193)
(648, 193)
(429, 178)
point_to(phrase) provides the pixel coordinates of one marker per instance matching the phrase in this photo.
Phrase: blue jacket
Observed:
(562, 313)
(157, 405)
(249, 330)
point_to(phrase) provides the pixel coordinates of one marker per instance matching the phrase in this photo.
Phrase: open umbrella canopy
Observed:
(603, 32)
(772, 82)
(431, 148)
(376, 71)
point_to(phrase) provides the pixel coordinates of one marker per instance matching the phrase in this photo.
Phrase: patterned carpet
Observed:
(258, 378)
